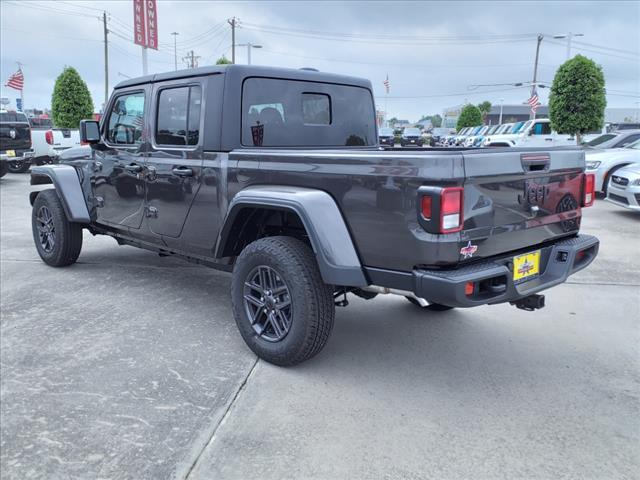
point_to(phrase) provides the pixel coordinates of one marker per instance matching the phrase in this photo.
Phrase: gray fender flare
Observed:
(67, 184)
(336, 255)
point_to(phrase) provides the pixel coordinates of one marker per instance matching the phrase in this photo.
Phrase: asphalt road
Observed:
(128, 365)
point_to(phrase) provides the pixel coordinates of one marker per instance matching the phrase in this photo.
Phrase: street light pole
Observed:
(500, 119)
(568, 36)
(175, 50)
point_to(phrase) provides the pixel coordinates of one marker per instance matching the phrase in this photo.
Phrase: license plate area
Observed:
(11, 153)
(526, 266)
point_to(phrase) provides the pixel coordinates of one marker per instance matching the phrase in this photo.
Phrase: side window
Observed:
(542, 129)
(178, 116)
(629, 140)
(126, 119)
(316, 109)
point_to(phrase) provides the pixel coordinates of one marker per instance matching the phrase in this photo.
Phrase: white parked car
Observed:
(532, 133)
(471, 139)
(49, 143)
(604, 163)
(624, 187)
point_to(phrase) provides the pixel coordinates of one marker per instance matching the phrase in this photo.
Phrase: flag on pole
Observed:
(387, 84)
(534, 101)
(16, 80)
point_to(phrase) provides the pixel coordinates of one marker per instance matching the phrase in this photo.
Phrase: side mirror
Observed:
(89, 132)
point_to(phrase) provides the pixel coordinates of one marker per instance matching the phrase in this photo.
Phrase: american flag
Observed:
(386, 84)
(16, 80)
(534, 101)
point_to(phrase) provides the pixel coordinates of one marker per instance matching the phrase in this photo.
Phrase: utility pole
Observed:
(191, 59)
(175, 50)
(233, 22)
(568, 36)
(535, 70)
(500, 119)
(106, 59)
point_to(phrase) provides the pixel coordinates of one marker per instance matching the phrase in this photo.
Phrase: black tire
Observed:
(311, 308)
(3, 168)
(19, 166)
(432, 307)
(57, 240)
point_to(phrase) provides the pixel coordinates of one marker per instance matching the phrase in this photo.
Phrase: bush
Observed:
(71, 100)
(578, 98)
(470, 116)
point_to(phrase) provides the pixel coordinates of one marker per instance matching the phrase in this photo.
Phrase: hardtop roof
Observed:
(244, 71)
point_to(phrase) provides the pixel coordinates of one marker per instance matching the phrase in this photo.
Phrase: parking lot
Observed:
(129, 365)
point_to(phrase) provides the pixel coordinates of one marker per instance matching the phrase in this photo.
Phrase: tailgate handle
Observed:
(535, 162)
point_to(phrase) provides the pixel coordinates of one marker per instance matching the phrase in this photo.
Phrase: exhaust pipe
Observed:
(530, 303)
(393, 291)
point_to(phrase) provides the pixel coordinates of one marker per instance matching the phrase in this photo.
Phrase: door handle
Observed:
(548, 139)
(133, 168)
(182, 172)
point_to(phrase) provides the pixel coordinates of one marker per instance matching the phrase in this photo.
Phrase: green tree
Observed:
(578, 98)
(223, 61)
(485, 109)
(470, 116)
(71, 100)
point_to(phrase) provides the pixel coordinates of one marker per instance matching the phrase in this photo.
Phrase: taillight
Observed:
(588, 189)
(427, 204)
(451, 209)
(48, 136)
(441, 209)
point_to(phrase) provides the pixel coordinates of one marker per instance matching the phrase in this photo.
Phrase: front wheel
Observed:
(432, 307)
(283, 309)
(57, 240)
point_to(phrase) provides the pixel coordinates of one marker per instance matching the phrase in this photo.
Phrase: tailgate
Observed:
(14, 136)
(516, 198)
(65, 138)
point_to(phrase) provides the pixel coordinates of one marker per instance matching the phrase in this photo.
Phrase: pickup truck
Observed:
(15, 142)
(49, 142)
(276, 175)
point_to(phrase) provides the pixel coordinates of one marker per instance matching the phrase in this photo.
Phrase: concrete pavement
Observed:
(128, 365)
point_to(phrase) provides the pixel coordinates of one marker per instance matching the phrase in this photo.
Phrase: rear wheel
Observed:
(283, 309)
(19, 166)
(432, 307)
(57, 240)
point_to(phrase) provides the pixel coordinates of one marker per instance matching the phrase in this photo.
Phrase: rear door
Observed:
(517, 198)
(174, 164)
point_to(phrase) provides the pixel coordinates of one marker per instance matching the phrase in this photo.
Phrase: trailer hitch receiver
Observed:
(530, 303)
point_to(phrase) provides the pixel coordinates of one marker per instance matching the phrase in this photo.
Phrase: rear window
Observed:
(287, 113)
(13, 117)
(386, 132)
(601, 139)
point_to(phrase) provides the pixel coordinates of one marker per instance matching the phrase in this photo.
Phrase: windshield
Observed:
(386, 132)
(13, 117)
(412, 132)
(601, 139)
(493, 129)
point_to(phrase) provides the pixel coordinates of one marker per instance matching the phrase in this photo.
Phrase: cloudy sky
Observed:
(435, 54)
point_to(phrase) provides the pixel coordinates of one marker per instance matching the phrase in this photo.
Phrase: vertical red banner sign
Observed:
(152, 24)
(139, 30)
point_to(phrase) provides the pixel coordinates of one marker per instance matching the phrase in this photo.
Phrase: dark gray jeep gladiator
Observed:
(276, 175)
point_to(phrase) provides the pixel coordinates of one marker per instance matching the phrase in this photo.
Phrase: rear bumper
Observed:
(19, 155)
(493, 279)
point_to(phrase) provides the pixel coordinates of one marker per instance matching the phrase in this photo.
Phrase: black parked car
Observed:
(386, 136)
(15, 142)
(411, 137)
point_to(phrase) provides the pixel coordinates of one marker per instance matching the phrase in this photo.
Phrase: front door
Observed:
(174, 165)
(541, 135)
(119, 180)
